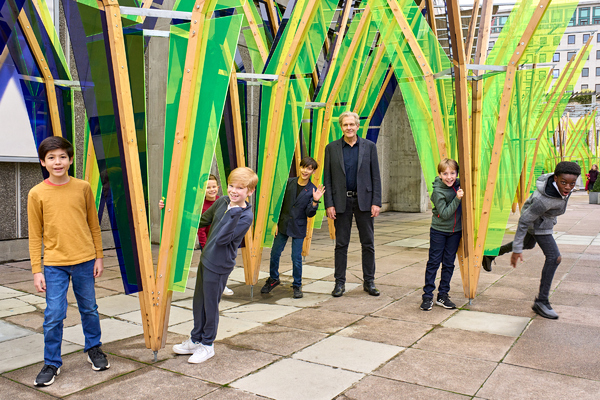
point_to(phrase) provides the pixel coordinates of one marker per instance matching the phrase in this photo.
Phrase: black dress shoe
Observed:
(338, 290)
(370, 288)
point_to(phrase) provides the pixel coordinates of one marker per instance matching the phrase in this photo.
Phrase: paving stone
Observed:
(12, 306)
(355, 302)
(388, 389)
(32, 299)
(118, 304)
(349, 353)
(308, 300)
(485, 303)
(228, 364)
(326, 287)
(385, 330)
(27, 350)
(148, 384)
(298, 380)
(259, 312)
(226, 393)
(311, 272)
(75, 374)
(14, 275)
(578, 315)
(227, 327)
(421, 367)
(116, 284)
(497, 324)
(135, 348)
(509, 382)
(112, 330)
(16, 391)
(407, 309)
(318, 320)
(7, 293)
(9, 331)
(558, 347)
(275, 339)
(238, 275)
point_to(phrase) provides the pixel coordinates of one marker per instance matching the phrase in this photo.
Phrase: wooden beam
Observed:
(430, 15)
(126, 128)
(471, 31)
(47, 77)
(261, 46)
(273, 15)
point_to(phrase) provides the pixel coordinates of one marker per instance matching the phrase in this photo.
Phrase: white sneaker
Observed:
(227, 291)
(202, 354)
(187, 347)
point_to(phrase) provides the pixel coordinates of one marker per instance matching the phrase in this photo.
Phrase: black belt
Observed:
(350, 194)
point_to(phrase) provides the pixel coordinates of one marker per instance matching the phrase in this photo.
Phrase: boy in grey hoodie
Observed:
(536, 225)
(445, 234)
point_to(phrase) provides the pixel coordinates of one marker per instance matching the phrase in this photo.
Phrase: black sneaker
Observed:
(544, 309)
(46, 375)
(427, 304)
(444, 301)
(269, 285)
(297, 292)
(98, 359)
(486, 263)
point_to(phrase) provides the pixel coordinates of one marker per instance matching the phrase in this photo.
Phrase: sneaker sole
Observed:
(201, 360)
(539, 312)
(445, 305)
(426, 309)
(97, 368)
(35, 383)
(183, 352)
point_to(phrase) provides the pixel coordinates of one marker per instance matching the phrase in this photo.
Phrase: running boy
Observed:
(62, 212)
(300, 202)
(536, 225)
(445, 234)
(229, 218)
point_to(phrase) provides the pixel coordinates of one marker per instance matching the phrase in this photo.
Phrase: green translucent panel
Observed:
(220, 40)
(188, 5)
(312, 43)
(285, 143)
(257, 61)
(89, 8)
(94, 177)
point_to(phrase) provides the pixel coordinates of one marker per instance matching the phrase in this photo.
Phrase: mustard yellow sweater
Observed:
(65, 217)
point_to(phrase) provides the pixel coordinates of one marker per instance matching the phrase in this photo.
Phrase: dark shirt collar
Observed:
(551, 190)
(344, 143)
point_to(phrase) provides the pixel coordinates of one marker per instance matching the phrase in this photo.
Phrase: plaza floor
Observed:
(353, 347)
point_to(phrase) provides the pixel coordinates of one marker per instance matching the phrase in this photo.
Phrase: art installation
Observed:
(499, 114)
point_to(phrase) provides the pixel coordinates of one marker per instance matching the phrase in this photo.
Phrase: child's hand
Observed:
(460, 193)
(317, 194)
(161, 204)
(514, 258)
(39, 282)
(98, 267)
(275, 231)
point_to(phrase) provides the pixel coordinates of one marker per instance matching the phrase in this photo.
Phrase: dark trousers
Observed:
(343, 226)
(205, 306)
(442, 250)
(552, 254)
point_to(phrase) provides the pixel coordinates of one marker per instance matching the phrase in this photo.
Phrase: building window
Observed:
(556, 57)
(571, 39)
(584, 87)
(596, 16)
(597, 88)
(557, 15)
(570, 55)
(585, 72)
(556, 40)
(597, 71)
(541, 76)
(542, 58)
(597, 54)
(584, 16)
(572, 20)
(586, 36)
(555, 73)
(544, 40)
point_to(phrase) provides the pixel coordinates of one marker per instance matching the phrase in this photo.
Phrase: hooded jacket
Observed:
(447, 211)
(540, 211)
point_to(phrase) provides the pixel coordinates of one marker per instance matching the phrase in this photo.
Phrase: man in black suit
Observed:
(354, 188)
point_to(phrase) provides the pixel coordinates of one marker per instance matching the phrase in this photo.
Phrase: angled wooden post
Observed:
(126, 128)
(471, 31)
(504, 109)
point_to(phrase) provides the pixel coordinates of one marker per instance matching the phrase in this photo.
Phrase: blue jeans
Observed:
(278, 246)
(57, 284)
(442, 250)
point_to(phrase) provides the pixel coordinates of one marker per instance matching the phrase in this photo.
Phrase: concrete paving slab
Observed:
(14, 275)
(27, 350)
(410, 242)
(509, 382)
(13, 306)
(177, 315)
(421, 367)
(228, 364)
(575, 239)
(226, 393)
(357, 302)
(116, 285)
(32, 299)
(385, 330)
(349, 353)
(318, 320)
(237, 276)
(135, 348)
(75, 374)
(227, 327)
(326, 287)
(259, 312)
(283, 381)
(558, 347)
(485, 303)
(16, 391)
(275, 339)
(578, 315)
(497, 324)
(7, 293)
(407, 309)
(119, 304)
(388, 389)
(312, 272)
(148, 384)
(112, 330)
(308, 300)
(9, 331)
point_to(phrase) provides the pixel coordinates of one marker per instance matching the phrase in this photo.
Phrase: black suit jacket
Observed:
(368, 179)
(296, 210)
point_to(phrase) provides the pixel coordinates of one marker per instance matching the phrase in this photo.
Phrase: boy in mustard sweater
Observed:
(62, 212)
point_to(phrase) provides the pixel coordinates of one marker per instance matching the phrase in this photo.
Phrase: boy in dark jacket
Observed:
(445, 234)
(300, 202)
(229, 218)
(536, 225)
